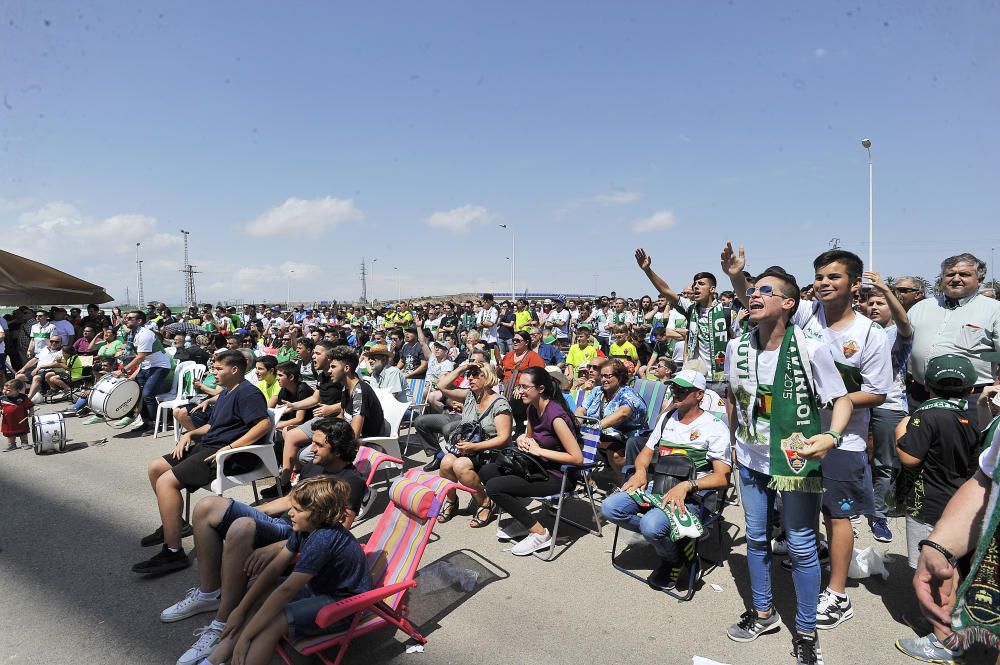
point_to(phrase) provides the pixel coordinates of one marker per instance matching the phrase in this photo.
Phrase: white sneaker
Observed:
(532, 543)
(208, 637)
(779, 545)
(188, 607)
(514, 529)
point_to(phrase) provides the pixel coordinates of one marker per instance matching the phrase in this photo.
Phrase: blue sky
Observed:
(301, 137)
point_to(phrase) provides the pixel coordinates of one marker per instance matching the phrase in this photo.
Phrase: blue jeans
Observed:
(800, 512)
(620, 509)
(150, 380)
(505, 345)
(885, 464)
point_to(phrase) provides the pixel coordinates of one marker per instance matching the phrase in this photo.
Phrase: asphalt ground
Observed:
(71, 523)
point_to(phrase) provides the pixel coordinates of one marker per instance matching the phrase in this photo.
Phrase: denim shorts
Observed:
(847, 484)
(301, 613)
(267, 529)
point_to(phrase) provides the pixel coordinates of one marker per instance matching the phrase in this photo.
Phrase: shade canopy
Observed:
(27, 282)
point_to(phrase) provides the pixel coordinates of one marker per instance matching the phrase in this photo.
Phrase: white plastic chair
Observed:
(269, 467)
(393, 411)
(176, 397)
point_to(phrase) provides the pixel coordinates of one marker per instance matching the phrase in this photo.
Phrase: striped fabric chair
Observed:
(368, 462)
(653, 394)
(393, 552)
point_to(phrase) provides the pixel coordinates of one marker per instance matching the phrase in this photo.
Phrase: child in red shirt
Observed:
(15, 410)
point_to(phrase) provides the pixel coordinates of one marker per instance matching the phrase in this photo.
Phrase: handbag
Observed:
(510, 385)
(472, 432)
(514, 462)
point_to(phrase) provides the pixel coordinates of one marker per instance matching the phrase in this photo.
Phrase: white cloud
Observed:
(301, 216)
(659, 221)
(618, 197)
(820, 52)
(459, 220)
(13, 205)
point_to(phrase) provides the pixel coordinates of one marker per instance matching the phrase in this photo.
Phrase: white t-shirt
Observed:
(561, 322)
(704, 332)
(66, 331)
(144, 340)
(488, 335)
(706, 437)
(41, 335)
(862, 345)
(829, 386)
(47, 357)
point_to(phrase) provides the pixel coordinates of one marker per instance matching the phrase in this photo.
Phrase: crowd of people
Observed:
(846, 396)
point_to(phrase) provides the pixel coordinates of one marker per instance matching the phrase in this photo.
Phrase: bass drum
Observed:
(114, 396)
(48, 433)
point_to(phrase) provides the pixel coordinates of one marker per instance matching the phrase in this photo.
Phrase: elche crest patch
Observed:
(695, 435)
(850, 348)
(791, 445)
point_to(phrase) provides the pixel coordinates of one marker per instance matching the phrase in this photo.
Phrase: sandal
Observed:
(478, 522)
(449, 511)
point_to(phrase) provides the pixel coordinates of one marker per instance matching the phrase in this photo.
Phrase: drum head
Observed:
(122, 399)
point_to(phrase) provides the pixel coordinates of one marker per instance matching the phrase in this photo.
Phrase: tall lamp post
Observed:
(513, 292)
(288, 290)
(867, 145)
(372, 273)
(399, 290)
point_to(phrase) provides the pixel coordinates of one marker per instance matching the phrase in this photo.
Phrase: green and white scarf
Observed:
(976, 615)
(718, 338)
(794, 415)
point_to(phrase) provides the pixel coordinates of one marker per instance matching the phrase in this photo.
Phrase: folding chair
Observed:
(590, 436)
(417, 389)
(653, 394)
(268, 467)
(368, 462)
(393, 551)
(713, 502)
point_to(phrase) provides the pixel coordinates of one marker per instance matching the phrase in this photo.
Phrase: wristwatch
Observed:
(694, 485)
(838, 438)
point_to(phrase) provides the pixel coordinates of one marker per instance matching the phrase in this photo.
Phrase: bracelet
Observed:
(952, 559)
(838, 438)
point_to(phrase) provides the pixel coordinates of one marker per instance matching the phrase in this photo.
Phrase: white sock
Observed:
(835, 593)
(174, 549)
(217, 625)
(210, 595)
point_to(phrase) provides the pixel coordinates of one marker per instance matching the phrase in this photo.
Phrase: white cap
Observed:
(689, 378)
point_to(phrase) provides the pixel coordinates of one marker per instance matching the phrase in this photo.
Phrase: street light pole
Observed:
(513, 290)
(399, 291)
(288, 290)
(373, 279)
(867, 145)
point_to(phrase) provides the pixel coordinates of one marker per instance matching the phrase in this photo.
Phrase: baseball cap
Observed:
(689, 378)
(586, 326)
(950, 371)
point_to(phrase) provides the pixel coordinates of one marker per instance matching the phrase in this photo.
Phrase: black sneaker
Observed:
(156, 538)
(271, 493)
(163, 562)
(434, 464)
(805, 649)
(750, 626)
(665, 577)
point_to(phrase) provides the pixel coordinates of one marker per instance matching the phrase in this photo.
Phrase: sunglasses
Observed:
(906, 289)
(765, 290)
(473, 372)
(681, 393)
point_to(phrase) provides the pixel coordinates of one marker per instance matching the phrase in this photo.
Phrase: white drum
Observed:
(114, 396)
(49, 433)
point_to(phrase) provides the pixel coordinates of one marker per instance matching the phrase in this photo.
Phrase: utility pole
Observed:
(138, 276)
(364, 282)
(190, 297)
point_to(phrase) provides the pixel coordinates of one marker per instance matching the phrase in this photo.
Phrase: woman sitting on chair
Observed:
(492, 411)
(552, 439)
(619, 408)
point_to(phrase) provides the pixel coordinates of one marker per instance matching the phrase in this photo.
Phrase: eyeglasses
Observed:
(524, 386)
(286, 339)
(681, 393)
(906, 289)
(607, 376)
(472, 372)
(520, 340)
(765, 290)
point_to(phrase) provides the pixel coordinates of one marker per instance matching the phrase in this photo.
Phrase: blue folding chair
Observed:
(652, 393)
(417, 388)
(590, 436)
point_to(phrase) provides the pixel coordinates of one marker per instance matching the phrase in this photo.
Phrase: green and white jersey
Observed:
(703, 440)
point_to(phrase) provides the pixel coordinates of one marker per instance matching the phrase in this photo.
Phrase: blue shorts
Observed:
(267, 530)
(847, 484)
(301, 611)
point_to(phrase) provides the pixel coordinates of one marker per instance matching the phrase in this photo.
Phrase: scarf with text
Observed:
(791, 414)
(718, 338)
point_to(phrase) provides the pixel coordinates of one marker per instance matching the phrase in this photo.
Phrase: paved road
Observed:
(69, 534)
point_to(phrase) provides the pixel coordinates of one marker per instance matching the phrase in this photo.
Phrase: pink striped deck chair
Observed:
(368, 461)
(393, 551)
